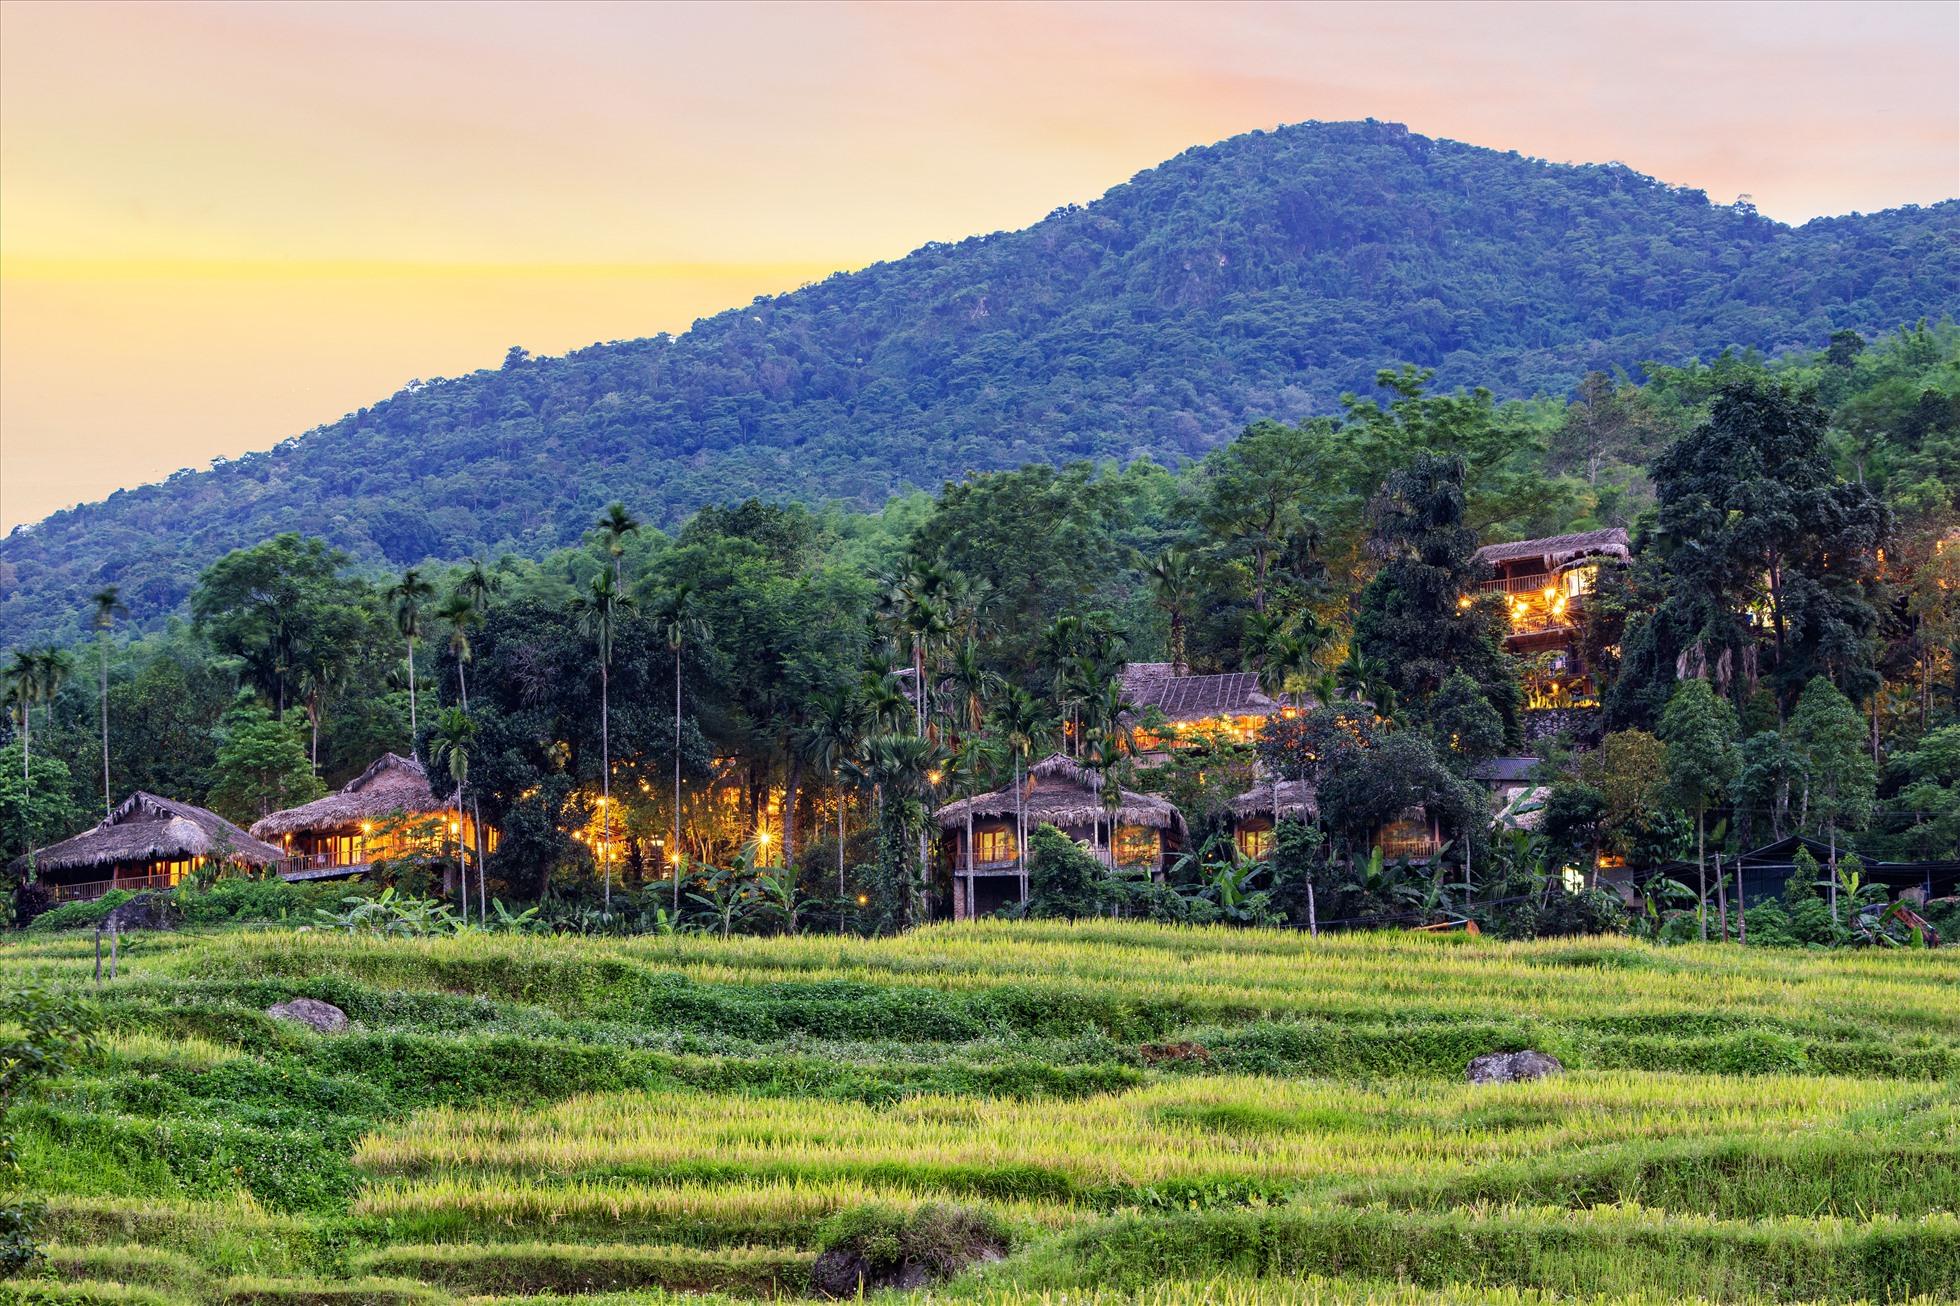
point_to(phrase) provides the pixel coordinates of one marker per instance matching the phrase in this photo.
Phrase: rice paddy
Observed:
(1003, 1114)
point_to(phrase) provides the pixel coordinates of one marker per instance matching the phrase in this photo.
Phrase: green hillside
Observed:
(1260, 277)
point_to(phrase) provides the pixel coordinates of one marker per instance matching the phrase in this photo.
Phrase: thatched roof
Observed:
(393, 784)
(1193, 698)
(151, 829)
(1062, 792)
(1296, 801)
(1552, 550)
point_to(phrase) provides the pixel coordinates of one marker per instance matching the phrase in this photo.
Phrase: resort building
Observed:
(1545, 584)
(985, 836)
(1260, 809)
(146, 843)
(1232, 705)
(385, 812)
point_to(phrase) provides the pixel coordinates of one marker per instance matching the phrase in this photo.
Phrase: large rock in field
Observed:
(323, 1016)
(1507, 1067)
(840, 1272)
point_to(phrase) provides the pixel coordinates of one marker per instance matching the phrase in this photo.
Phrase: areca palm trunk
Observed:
(105, 725)
(414, 746)
(674, 853)
(840, 856)
(605, 782)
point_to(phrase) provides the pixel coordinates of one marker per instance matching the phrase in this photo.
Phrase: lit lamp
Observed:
(862, 900)
(932, 777)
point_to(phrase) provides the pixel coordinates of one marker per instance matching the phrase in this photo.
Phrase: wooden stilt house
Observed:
(387, 811)
(987, 834)
(146, 843)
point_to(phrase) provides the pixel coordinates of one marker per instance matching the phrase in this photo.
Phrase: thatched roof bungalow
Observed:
(1231, 703)
(1067, 795)
(146, 843)
(1256, 811)
(359, 824)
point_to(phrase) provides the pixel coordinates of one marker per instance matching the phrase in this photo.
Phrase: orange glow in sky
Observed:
(222, 224)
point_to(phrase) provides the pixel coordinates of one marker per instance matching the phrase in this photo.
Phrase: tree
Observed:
(1767, 554)
(36, 805)
(829, 742)
(1173, 587)
(613, 527)
(1254, 489)
(449, 746)
(23, 680)
(280, 606)
(261, 766)
(1414, 615)
(679, 624)
(44, 1034)
(407, 597)
(1463, 724)
(105, 606)
(1840, 777)
(598, 612)
(459, 612)
(1610, 423)
(1699, 730)
(1627, 770)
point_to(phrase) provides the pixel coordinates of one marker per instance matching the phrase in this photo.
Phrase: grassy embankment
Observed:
(520, 1117)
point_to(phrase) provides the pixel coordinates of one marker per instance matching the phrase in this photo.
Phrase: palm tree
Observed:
(449, 744)
(461, 614)
(23, 682)
(974, 683)
(56, 665)
(904, 768)
(1173, 587)
(678, 624)
(830, 739)
(613, 527)
(599, 612)
(1024, 725)
(107, 606)
(408, 596)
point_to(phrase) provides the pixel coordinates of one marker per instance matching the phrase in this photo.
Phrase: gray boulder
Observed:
(322, 1016)
(1508, 1067)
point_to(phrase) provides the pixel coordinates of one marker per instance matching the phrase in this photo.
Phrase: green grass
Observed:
(517, 1119)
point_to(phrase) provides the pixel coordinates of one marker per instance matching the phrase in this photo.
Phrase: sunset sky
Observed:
(222, 224)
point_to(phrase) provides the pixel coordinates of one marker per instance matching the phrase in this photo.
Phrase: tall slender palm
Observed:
(449, 745)
(479, 583)
(106, 605)
(678, 624)
(461, 615)
(614, 526)
(905, 770)
(407, 596)
(830, 739)
(599, 612)
(1023, 726)
(975, 685)
(55, 666)
(1174, 588)
(23, 677)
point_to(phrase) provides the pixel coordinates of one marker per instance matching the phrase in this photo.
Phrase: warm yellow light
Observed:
(932, 777)
(762, 836)
(1549, 591)
(455, 828)
(366, 828)
(675, 859)
(862, 900)
(1463, 602)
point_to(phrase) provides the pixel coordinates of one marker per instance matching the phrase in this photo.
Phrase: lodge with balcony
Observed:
(985, 837)
(1231, 705)
(1545, 585)
(387, 812)
(146, 843)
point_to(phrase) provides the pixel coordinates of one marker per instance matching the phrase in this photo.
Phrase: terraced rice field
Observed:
(1008, 1114)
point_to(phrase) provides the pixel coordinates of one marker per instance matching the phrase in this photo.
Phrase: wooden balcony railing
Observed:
(1519, 584)
(1415, 850)
(90, 890)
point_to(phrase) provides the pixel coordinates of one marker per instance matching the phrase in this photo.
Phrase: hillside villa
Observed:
(1545, 584)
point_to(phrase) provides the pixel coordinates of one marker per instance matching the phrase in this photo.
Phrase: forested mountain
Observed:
(1262, 276)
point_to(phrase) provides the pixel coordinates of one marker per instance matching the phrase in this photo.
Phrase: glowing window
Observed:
(1135, 845)
(993, 846)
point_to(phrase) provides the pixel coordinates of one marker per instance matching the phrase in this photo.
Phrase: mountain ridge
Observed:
(1260, 276)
